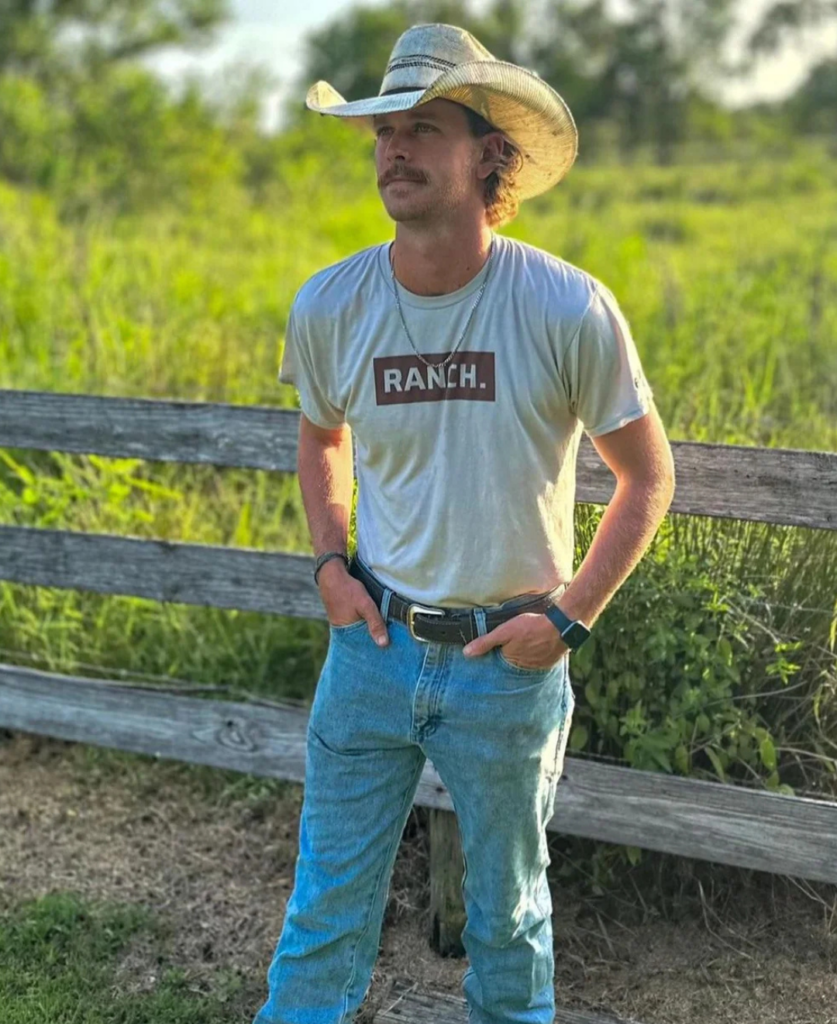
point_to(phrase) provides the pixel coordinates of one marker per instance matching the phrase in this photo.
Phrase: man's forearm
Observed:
(326, 482)
(624, 534)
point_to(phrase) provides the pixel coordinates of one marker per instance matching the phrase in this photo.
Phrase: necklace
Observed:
(467, 322)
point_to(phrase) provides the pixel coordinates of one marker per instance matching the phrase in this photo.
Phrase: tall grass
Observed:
(728, 275)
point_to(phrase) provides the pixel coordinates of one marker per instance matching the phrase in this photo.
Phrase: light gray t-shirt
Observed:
(466, 474)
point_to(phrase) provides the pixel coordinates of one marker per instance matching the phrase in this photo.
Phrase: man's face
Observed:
(433, 149)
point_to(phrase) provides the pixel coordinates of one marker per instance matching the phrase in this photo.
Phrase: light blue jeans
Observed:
(496, 734)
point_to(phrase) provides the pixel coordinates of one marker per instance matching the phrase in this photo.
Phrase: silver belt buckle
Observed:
(411, 613)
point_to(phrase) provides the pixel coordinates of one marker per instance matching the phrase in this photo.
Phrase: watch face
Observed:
(575, 636)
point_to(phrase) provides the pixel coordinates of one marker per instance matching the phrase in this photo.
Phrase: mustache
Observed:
(400, 172)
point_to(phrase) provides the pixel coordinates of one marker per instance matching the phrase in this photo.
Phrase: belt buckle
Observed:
(411, 613)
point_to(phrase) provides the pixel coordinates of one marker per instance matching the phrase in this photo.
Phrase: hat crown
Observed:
(425, 52)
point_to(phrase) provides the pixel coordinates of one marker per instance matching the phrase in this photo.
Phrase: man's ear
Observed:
(491, 157)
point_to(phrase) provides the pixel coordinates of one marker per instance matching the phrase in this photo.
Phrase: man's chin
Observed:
(402, 212)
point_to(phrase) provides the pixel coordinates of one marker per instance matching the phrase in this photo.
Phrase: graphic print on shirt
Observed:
(400, 379)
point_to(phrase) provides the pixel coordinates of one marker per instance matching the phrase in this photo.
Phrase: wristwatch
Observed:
(572, 633)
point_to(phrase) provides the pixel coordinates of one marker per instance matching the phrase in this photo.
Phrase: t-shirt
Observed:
(466, 473)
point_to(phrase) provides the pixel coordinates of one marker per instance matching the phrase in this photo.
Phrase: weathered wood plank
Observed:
(409, 1007)
(200, 574)
(765, 485)
(252, 738)
(692, 818)
(250, 436)
(709, 821)
(789, 486)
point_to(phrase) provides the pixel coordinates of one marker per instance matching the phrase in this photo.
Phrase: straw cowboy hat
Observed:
(436, 61)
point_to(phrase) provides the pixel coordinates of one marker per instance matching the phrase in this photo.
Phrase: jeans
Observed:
(496, 734)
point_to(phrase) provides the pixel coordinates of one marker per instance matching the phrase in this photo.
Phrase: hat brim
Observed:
(516, 101)
(326, 100)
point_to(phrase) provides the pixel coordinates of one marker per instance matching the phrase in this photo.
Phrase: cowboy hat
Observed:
(438, 61)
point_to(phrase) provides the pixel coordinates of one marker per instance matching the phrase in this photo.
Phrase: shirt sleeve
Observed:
(306, 365)
(605, 380)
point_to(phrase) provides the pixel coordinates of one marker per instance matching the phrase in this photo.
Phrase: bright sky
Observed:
(271, 34)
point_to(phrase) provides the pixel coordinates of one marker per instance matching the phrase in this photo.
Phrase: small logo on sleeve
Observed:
(468, 376)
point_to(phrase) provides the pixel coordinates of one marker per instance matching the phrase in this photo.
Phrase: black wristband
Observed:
(321, 561)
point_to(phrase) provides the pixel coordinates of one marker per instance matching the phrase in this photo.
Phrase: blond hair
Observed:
(500, 187)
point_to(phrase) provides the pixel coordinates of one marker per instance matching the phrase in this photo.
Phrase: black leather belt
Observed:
(447, 625)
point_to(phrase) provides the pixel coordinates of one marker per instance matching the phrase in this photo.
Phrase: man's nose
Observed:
(397, 146)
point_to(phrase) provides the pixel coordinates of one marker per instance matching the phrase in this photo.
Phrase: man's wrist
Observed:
(573, 632)
(326, 558)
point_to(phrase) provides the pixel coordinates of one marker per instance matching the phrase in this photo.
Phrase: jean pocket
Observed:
(523, 670)
(349, 627)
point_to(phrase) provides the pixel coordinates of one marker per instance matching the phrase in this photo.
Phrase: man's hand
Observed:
(528, 640)
(346, 600)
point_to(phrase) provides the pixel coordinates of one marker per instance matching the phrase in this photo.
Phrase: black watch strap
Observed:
(573, 633)
(323, 558)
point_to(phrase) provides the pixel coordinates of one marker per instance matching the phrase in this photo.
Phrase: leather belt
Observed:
(447, 625)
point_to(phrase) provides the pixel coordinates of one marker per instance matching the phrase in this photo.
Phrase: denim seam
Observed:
(565, 708)
(415, 738)
(393, 842)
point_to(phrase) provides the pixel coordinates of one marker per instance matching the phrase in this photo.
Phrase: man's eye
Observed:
(419, 124)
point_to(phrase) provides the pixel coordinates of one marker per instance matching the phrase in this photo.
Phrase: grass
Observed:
(60, 959)
(728, 275)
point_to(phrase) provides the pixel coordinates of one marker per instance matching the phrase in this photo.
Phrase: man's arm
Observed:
(640, 458)
(324, 467)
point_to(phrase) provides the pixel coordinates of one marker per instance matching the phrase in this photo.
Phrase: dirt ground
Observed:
(215, 861)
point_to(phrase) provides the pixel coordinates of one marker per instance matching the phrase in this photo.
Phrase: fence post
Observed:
(447, 907)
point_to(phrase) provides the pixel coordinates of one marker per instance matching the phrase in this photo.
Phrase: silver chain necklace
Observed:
(470, 315)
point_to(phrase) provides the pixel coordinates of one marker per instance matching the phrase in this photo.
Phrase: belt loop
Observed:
(479, 618)
(385, 600)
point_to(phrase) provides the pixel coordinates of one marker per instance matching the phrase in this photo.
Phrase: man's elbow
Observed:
(654, 484)
(668, 476)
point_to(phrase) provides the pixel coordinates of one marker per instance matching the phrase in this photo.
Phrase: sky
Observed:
(271, 34)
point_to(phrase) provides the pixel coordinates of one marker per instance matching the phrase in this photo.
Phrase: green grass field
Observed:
(728, 275)
(77, 946)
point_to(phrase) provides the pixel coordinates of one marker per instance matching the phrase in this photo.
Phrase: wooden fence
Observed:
(706, 820)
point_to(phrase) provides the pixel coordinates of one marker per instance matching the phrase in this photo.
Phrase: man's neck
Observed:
(438, 263)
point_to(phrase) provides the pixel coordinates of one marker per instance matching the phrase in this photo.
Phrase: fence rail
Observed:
(706, 820)
(771, 485)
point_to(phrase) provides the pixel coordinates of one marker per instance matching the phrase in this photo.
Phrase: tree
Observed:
(786, 19)
(639, 70)
(813, 107)
(643, 70)
(652, 68)
(36, 36)
(80, 118)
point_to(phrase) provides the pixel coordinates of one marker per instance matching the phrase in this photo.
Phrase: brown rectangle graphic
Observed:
(400, 379)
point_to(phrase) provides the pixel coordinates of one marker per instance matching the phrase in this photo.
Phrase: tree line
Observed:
(82, 118)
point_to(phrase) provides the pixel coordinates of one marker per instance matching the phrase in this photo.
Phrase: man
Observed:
(464, 366)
